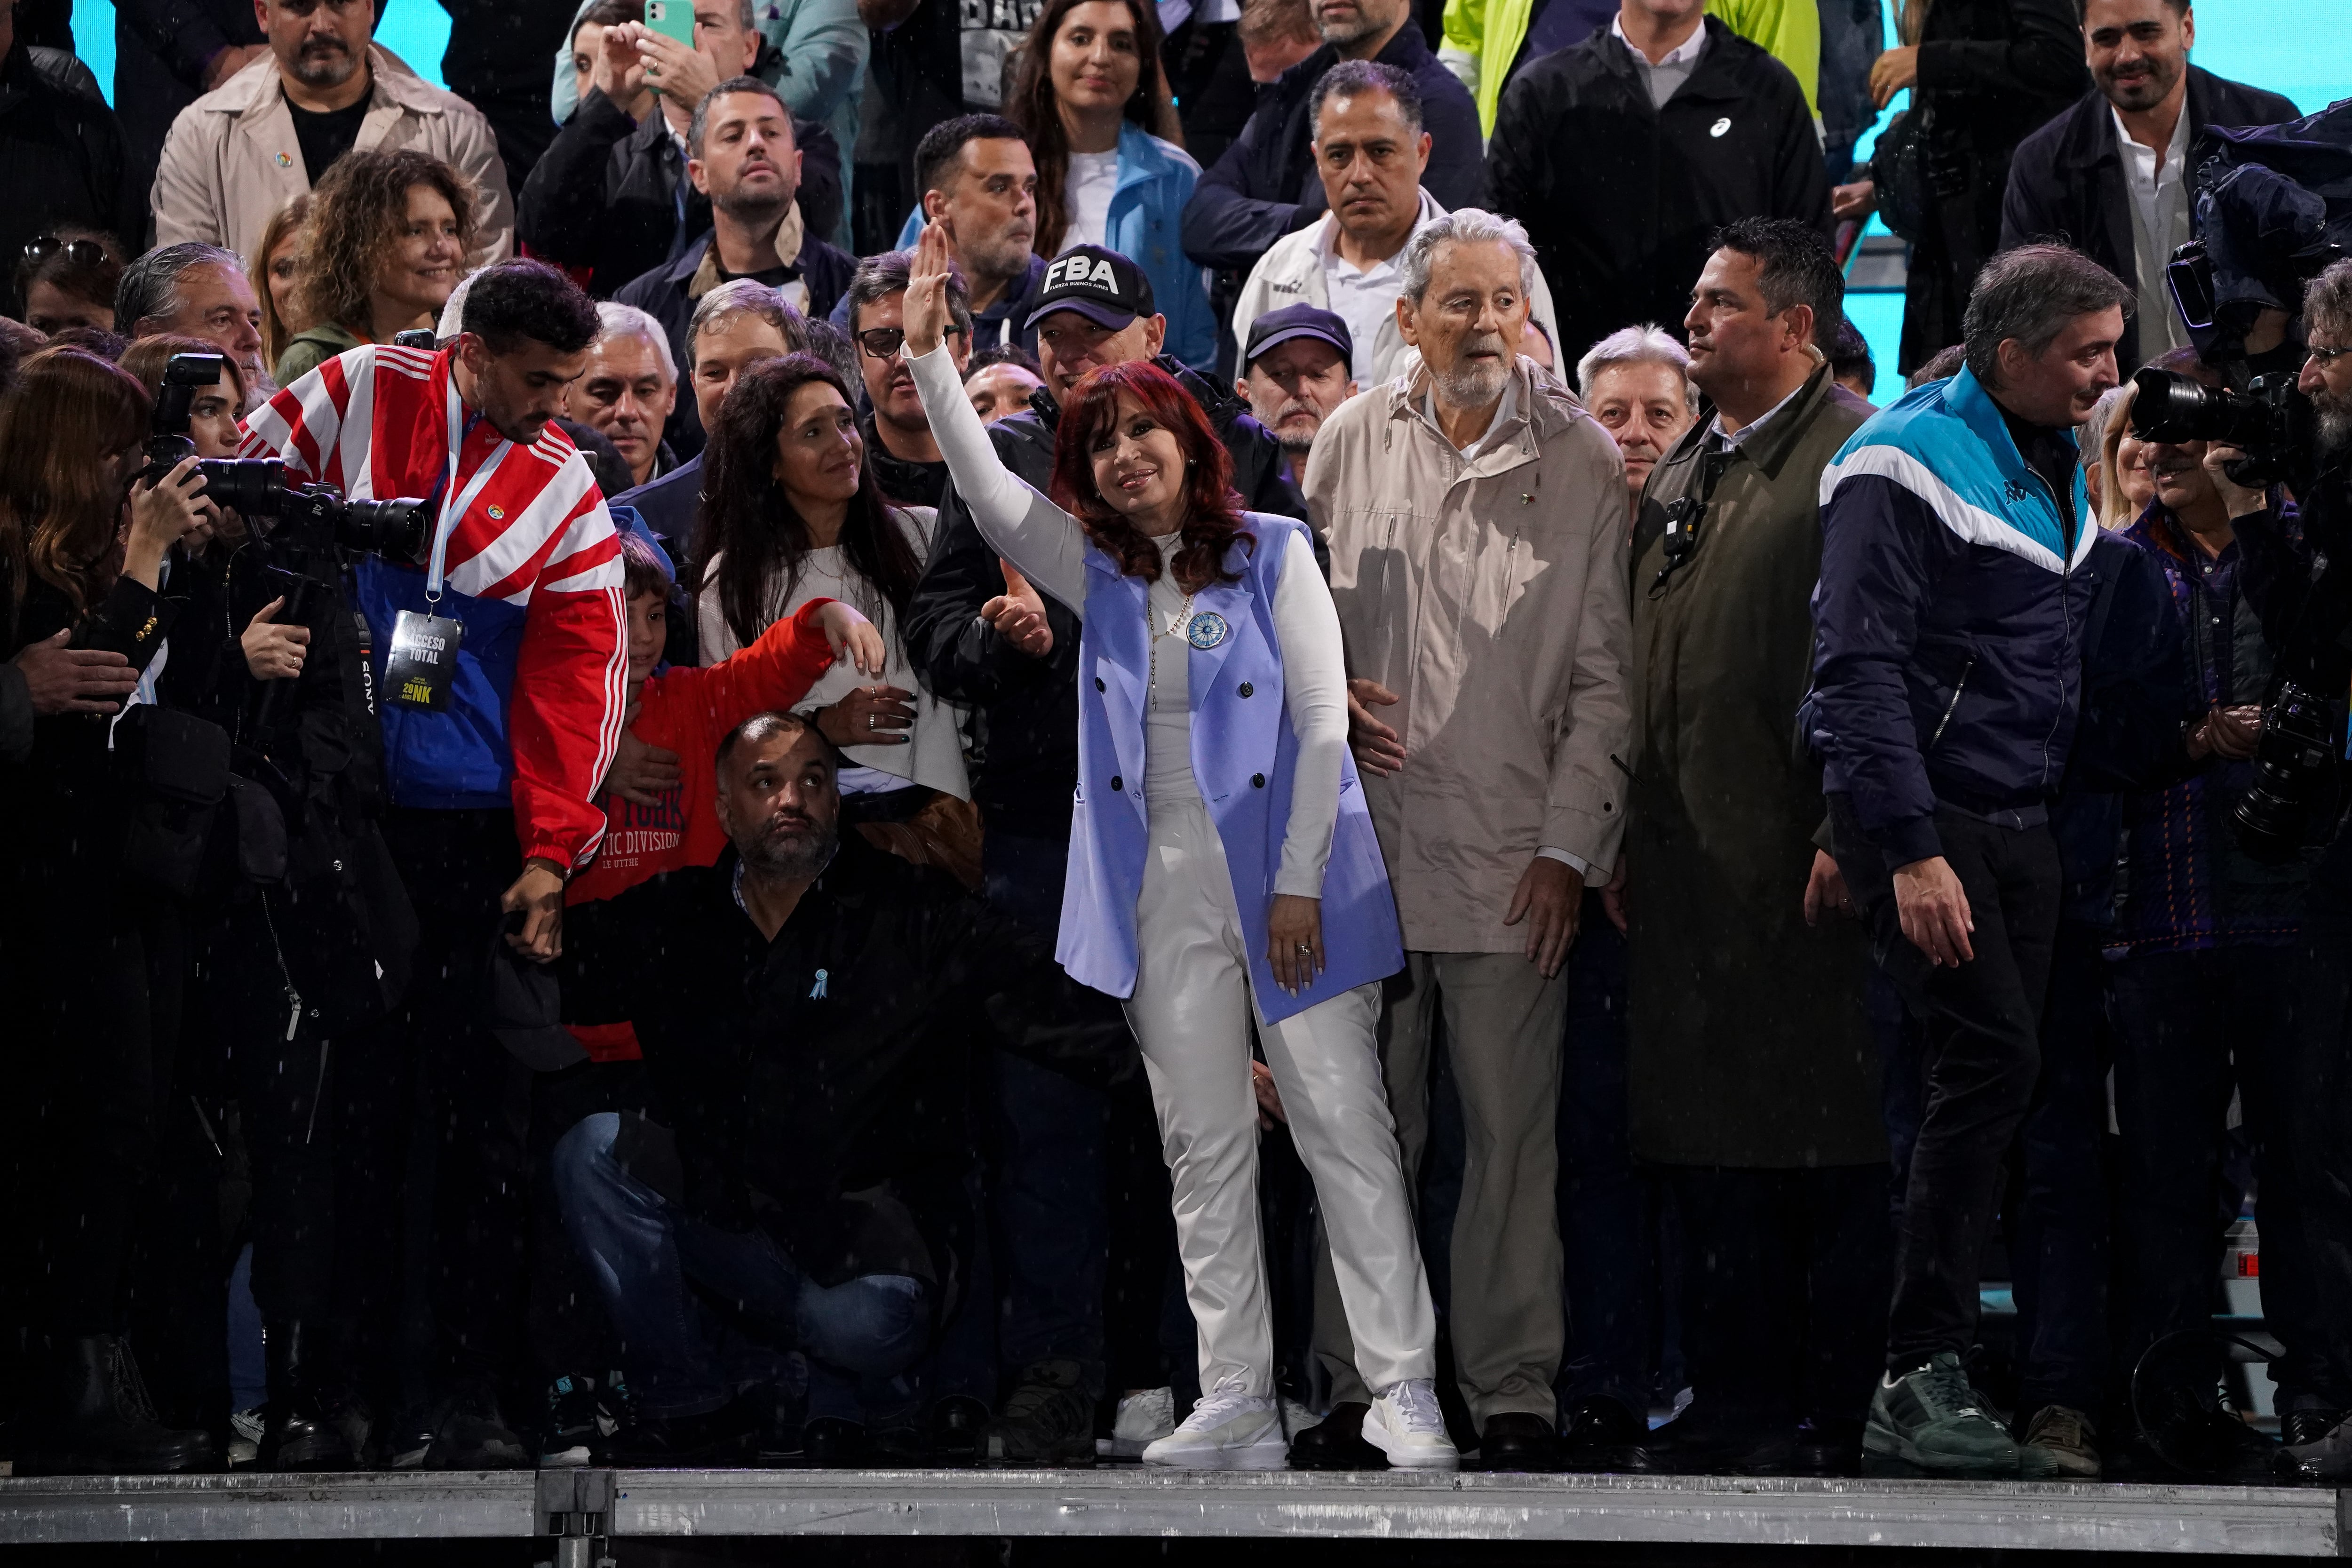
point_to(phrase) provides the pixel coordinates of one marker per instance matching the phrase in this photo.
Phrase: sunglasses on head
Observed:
(80, 252)
(884, 342)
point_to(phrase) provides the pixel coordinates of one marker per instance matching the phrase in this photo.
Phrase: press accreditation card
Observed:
(422, 660)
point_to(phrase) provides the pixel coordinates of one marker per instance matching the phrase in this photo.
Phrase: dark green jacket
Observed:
(1748, 1040)
(310, 348)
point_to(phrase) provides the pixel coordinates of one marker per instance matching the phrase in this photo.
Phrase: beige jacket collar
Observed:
(255, 90)
(1542, 408)
(790, 235)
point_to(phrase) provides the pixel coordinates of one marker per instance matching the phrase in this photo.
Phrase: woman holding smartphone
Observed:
(1222, 864)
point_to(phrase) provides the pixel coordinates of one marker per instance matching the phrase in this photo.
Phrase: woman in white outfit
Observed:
(1222, 863)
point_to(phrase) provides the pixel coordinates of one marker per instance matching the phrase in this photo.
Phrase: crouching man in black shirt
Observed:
(809, 1008)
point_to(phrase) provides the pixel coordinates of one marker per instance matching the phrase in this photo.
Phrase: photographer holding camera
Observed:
(2296, 799)
(496, 626)
(96, 946)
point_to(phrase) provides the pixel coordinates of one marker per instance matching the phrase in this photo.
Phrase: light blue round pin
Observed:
(1206, 629)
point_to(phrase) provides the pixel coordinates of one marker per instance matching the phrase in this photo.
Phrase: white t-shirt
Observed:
(1086, 192)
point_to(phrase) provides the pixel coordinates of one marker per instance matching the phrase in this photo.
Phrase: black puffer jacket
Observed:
(61, 161)
(1028, 708)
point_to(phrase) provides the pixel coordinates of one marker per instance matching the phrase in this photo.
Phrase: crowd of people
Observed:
(1215, 733)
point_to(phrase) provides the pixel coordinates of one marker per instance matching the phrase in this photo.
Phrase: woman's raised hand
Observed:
(853, 638)
(926, 315)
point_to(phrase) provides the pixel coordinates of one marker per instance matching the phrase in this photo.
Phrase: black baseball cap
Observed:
(1297, 322)
(1101, 285)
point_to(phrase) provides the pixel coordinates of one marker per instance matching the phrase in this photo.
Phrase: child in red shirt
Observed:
(689, 711)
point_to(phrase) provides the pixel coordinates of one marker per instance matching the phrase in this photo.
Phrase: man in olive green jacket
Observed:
(1753, 1075)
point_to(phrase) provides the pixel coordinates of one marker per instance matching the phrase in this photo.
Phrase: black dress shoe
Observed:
(2297, 1427)
(833, 1443)
(1337, 1443)
(1827, 1449)
(1599, 1434)
(954, 1431)
(1519, 1442)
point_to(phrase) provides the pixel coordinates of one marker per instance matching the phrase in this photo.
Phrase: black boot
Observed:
(102, 1423)
(306, 1427)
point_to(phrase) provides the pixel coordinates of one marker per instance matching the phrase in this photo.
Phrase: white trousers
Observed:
(1191, 1013)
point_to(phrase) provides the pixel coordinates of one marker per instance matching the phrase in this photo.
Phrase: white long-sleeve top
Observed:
(1049, 547)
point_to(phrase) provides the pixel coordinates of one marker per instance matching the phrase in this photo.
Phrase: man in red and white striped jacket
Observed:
(492, 784)
(532, 567)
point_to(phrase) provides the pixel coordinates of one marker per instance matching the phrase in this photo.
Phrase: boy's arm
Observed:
(691, 707)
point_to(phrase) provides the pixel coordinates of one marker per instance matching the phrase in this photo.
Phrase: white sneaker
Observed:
(1228, 1430)
(1406, 1425)
(1144, 1417)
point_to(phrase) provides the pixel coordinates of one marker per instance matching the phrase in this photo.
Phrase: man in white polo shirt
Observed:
(1370, 150)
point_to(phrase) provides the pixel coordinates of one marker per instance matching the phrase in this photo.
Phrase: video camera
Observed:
(2270, 421)
(308, 517)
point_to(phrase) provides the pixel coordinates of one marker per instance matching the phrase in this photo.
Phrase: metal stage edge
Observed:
(2269, 1520)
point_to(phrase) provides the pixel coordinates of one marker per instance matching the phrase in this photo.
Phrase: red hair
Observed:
(1213, 512)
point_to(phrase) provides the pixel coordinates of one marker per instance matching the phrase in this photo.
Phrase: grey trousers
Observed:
(1503, 1026)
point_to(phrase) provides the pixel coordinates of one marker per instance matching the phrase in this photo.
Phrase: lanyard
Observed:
(453, 509)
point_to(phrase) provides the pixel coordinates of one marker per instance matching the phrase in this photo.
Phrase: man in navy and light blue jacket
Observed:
(1956, 583)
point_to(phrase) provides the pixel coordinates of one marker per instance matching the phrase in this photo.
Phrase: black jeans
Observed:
(2318, 1078)
(2192, 1024)
(1982, 1056)
(1784, 1278)
(1608, 1208)
(2056, 1216)
(476, 1096)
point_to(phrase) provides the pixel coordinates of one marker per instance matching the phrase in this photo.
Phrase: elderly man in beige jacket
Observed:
(1475, 516)
(321, 88)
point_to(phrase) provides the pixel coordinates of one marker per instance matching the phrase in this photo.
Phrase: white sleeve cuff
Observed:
(1576, 863)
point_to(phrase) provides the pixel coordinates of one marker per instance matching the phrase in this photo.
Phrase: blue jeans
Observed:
(650, 1261)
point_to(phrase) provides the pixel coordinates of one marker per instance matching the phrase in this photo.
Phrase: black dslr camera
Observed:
(2271, 422)
(312, 517)
(2294, 774)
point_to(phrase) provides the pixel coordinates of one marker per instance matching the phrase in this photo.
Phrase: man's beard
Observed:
(1298, 441)
(1467, 388)
(792, 845)
(2335, 415)
(328, 67)
(1363, 26)
(997, 256)
(2141, 92)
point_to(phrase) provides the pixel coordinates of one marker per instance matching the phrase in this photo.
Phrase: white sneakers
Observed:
(1405, 1424)
(1144, 1417)
(1228, 1430)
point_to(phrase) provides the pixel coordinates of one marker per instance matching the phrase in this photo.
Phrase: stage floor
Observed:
(623, 1504)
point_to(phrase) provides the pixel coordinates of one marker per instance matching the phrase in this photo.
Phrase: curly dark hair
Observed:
(1032, 107)
(524, 299)
(1213, 512)
(357, 214)
(749, 523)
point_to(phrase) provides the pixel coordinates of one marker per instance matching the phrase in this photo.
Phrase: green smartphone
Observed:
(672, 19)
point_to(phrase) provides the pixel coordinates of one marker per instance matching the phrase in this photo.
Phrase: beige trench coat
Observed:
(1490, 598)
(231, 159)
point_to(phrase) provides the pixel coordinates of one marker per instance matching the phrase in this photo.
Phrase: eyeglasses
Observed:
(884, 342)
(2325, 356)
(80, 252)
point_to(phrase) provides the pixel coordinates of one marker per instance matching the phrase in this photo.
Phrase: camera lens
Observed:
(394, 530)
(253, 486)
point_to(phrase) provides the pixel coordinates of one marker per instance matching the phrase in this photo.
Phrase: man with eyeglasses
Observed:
(2278, 544)
(898, 445)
